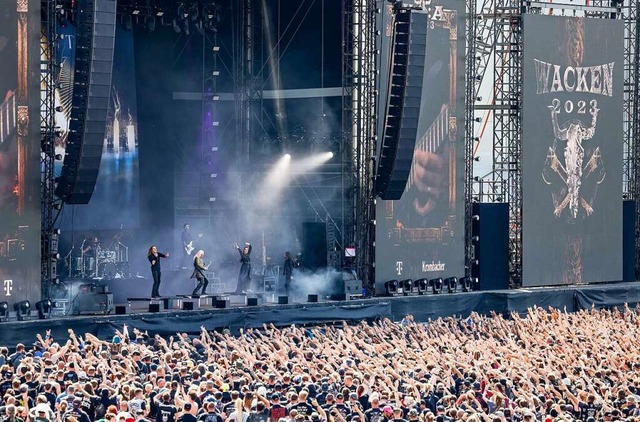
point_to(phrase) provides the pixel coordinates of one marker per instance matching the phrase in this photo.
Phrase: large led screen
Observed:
(572, 150)
(422, 234)
(19, 151)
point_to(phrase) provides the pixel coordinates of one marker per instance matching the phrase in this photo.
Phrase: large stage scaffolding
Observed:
(48, 79)
(495, 38)
(359, 100)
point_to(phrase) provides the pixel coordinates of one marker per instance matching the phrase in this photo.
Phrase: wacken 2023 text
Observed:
(574, 164)
(591, 79)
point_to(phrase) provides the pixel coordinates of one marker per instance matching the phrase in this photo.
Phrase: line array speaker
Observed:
(95, 38)
(403, 103)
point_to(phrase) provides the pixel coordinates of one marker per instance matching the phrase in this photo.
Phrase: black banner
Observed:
(422, 234)
(572, 150)
(19, 151)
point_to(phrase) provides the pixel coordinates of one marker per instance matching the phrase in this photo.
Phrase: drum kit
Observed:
(98, 262)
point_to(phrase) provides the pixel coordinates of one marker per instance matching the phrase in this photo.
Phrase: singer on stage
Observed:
(198, 273)
(154, 258)
(244, 278)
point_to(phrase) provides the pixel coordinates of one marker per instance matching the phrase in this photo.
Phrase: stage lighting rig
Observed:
(451, 283)
(468, 283)
(23, 310)
(422, 285)
(44, 309)
(436, 285)
(407, 286)
(391, 287)
(4, 311)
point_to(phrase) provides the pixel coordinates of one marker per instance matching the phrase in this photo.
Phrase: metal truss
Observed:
(471, 93)
(499, 22)
(507, 122)
(631, 176)
(358, 143)
(48, 78)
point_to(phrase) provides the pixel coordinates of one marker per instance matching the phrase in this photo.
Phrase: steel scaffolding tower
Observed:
(358, 143)
(507, 122)
(472, 66)
(48, 79)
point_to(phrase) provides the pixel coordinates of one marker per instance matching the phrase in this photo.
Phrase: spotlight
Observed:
(467, 284)
(476, 217)
(478, 119)
(436, 285)
(216, 48)
(391, 287)
(452, 284)
(423, 285)
(23, 309)
(58, 157)
(4, 311)
(44, 309)
(330, 154)
(407, 286)
(475, 239)
(287, 156)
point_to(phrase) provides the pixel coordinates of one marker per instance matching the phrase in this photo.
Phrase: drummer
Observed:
(91, 246)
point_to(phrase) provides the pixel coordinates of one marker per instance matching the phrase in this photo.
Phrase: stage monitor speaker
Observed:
(95, 38)
(490, 228)
(187, 306)
(629, 240)
(122, 309)
(314, 245)
(312, 298)
(221, 304)
(283, 300)
(88, 302)
(154, 307)
(403, 102)
(252, 301)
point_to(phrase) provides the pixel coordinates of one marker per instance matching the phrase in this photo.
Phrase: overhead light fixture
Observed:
(159, 13)
(135, 12)
(216, 48)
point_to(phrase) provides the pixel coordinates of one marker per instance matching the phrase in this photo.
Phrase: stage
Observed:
(423, 307)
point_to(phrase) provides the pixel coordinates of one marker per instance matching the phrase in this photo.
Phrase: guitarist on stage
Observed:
(198, 273)
(187, 246)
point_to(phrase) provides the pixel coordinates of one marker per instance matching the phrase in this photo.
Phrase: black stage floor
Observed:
(422, 307)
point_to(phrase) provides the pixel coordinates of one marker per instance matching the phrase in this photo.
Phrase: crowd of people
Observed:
(547, 365)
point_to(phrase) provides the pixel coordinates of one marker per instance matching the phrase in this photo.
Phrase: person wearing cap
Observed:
(342, 407)
(277, 410)
(75, 411)
(42, 412)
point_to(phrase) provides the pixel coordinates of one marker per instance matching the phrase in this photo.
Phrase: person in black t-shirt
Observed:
(166, 410)
(211, 415)
(154, 258)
